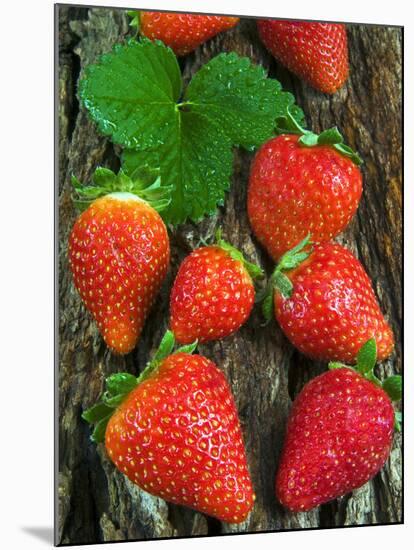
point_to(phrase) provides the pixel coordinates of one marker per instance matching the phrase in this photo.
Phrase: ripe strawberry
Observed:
(339, 434)
(301, 185)
(176, 434)
(213, 293)
(183, 32)
(326, 305)
(316, 52)
(119, 255)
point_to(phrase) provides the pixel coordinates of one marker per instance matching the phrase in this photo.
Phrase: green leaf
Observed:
(367, 357)
(393, 387)
(347, 151)
(115, 401)
(188, 348)
(166, 346)
(98, 434)
(332, 365)
(134, 94)
(131, 93)
(135, 19)
(282, 283)
(96, 413)
(236, 94)
(330, 137)
(197, 161)
(121, 382)
(253, 269)
(309, 140)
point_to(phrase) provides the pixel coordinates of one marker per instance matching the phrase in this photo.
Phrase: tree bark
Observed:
(96, 502)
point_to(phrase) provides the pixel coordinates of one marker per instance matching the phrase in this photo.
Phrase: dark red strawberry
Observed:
(316, 52)
(325, 304)
(183, 32)
(175, 432)
(119, 255)
(301, 184)
(213, 293)
(339, 434)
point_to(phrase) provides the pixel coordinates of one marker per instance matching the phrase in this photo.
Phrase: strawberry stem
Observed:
(144, 182)
(120, 384)
(288, 125)
(254, 270)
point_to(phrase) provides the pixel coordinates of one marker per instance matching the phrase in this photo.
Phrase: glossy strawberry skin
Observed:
(339, 435)
(211, 298)
(295, 191)
(119, 255)
(183, 32)
(333, 310)
(177, 435)
(315, 52)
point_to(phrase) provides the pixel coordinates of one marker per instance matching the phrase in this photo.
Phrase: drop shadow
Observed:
(45, 534)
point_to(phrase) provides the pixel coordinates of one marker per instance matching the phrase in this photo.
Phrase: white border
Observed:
(26, 229)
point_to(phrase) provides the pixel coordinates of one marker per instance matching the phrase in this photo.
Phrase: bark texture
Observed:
(97, 503)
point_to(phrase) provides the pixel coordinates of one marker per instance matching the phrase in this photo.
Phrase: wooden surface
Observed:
(97, 503)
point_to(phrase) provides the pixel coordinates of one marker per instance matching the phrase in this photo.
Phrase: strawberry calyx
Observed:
(288, 125)
(254, 270)
(144, 183)
(120, 384)
(279, 282)
(135, 22)
(366, 361)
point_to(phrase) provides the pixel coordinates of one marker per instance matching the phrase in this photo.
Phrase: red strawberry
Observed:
(326, 305)
(177, 434)
(213, 293)
(183, 32)
(316, 52)
(339, 434)
(119, 255)
(301, 185)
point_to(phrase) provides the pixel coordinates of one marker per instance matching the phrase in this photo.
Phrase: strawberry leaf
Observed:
(253, 270)
(134, 94)
(367, 357)
(98, 434)
(121, 382)
(131, 93)
(393, 387)
(197, 162)
(236, 94)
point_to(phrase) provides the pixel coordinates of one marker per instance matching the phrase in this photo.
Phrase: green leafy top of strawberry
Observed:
(119, 385)
(135, 19)
(144, 182)
(135, 95)
(289, 124)
(279, 281)
(254, 270)
(366, 360)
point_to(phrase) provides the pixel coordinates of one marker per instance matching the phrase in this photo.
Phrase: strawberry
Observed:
(316, 52)
(339, 433)
(302, 184)
(119, 254)
(182, 32)
(175, 432)
(213, 293)
(325, 304)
